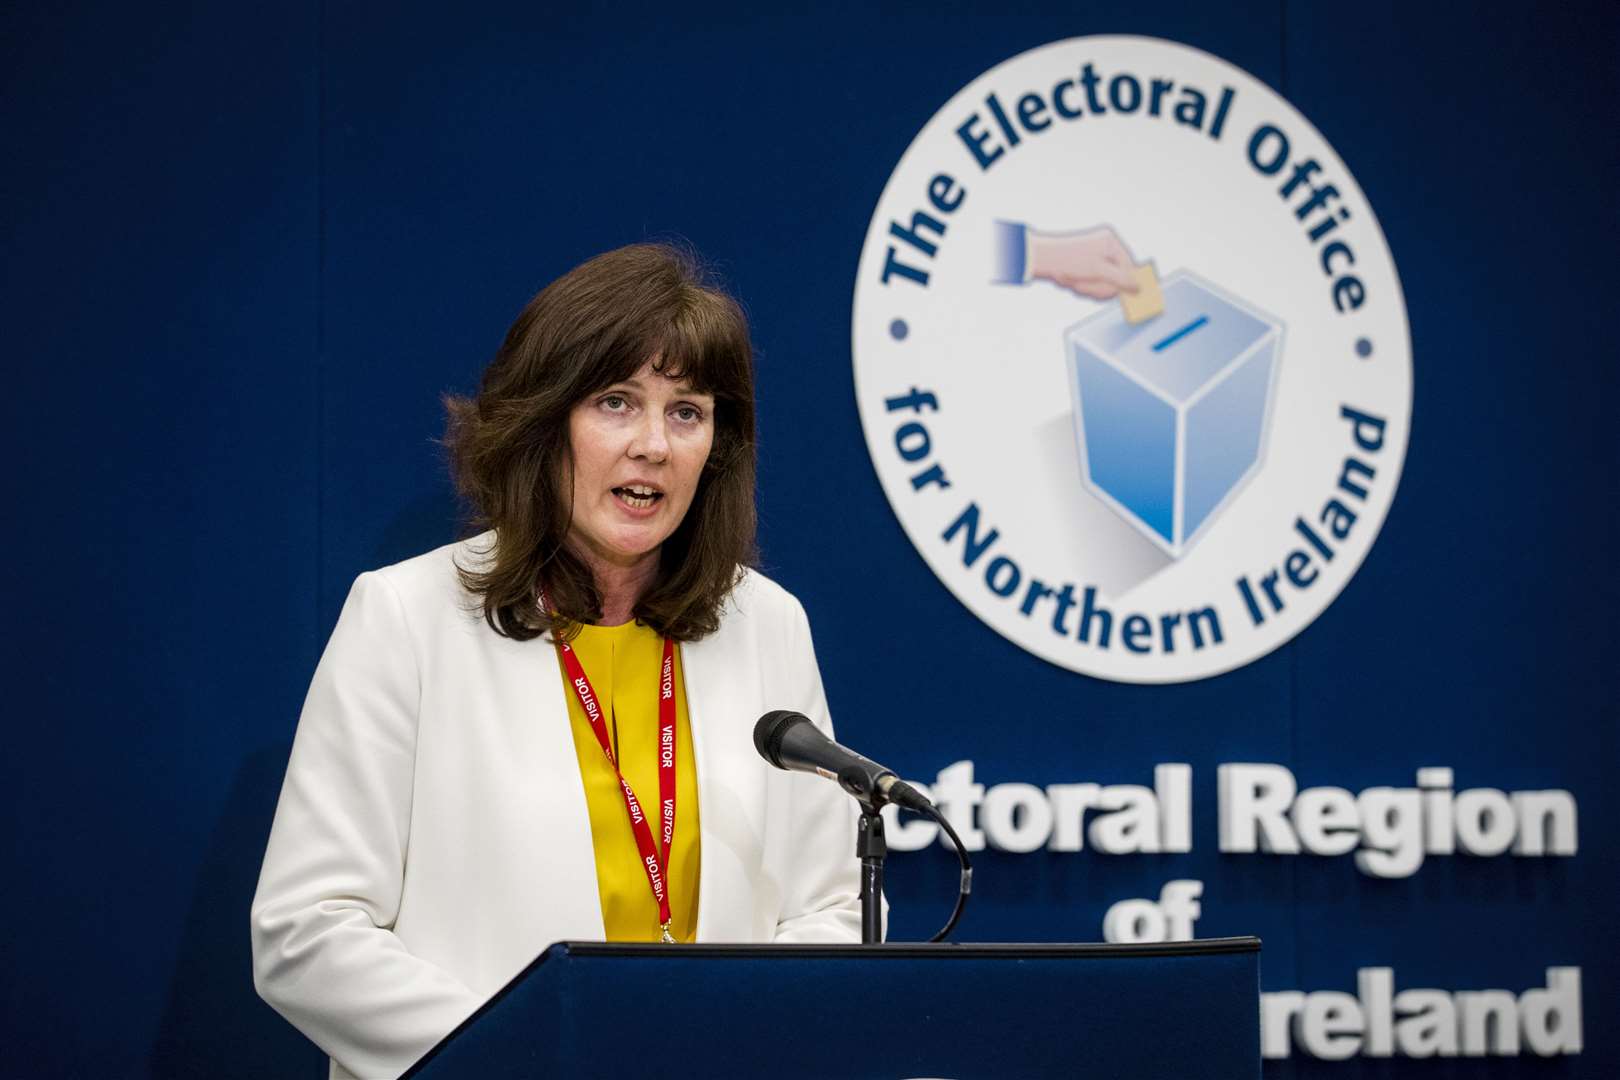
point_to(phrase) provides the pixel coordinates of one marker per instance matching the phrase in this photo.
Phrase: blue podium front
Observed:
(885, 1012)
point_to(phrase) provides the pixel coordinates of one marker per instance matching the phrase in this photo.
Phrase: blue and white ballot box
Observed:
(1171, 414)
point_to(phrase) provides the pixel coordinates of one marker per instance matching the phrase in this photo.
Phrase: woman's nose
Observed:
(651, 440)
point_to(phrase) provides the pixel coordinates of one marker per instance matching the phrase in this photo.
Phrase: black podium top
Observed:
(1182, 1009)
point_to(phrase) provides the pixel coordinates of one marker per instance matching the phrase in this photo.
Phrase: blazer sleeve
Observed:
(821, 897)
(324, 954)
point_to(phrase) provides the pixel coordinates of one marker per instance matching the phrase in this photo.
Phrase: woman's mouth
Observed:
(637, 497)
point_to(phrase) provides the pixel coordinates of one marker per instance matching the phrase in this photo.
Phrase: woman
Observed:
(453, 803)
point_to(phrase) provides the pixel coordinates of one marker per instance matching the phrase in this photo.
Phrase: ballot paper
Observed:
(1147, 301)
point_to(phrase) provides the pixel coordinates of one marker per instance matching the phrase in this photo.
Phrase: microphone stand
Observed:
(870, 848)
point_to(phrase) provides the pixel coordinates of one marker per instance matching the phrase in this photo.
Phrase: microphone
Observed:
(790, 741)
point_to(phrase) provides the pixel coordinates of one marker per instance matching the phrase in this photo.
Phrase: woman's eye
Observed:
(615, 403)
(688, 414)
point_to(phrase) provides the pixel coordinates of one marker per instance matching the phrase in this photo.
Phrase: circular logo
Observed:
(1132, 359)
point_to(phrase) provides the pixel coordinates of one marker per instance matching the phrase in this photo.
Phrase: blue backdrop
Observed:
(247, 249)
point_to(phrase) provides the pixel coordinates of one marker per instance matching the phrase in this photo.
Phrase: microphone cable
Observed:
(966, 886)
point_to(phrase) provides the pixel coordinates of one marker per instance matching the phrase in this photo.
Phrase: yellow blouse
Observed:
(623, 663)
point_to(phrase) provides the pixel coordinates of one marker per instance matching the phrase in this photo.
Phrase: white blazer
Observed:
(432, 836)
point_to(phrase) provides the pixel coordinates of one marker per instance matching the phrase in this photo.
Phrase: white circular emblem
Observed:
(1132, 359)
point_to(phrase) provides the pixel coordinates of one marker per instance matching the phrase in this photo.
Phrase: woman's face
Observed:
(639, 447)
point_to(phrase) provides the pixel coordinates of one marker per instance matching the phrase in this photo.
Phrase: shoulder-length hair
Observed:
(510, 455)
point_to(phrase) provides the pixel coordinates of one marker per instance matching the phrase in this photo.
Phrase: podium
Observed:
(885, 1012)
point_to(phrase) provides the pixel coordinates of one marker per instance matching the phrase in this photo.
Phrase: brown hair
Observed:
(509, 446)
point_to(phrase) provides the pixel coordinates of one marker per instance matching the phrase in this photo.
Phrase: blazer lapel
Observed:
(722, 696)
(571, 912)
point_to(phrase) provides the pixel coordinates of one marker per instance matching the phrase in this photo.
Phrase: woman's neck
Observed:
(620, 586)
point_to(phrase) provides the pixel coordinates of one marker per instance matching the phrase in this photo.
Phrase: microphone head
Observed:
(771, 730)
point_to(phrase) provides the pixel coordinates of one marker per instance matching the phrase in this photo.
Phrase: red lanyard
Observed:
(656, 864)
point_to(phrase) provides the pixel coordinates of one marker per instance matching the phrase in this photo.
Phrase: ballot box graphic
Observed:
(1170, 415)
